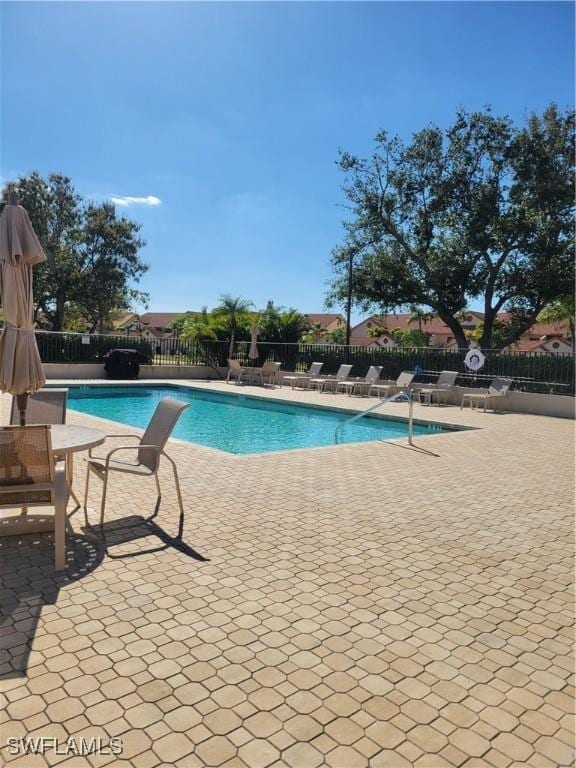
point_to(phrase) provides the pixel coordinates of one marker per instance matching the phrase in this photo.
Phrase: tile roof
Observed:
(324, 319)
(160, 319)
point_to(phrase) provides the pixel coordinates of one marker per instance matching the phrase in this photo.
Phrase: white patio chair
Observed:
(313, 373)
(235, 370)
(47, 406)
(366, 383)
(402, 382)
(30, 478)
(497, 389)
(150, 449)
(444, 383)
(331, 381)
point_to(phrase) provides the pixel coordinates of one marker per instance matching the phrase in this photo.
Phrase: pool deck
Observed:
(365, 604)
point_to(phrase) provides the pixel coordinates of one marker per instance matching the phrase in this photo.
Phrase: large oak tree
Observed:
(483, 210)
(93, 254)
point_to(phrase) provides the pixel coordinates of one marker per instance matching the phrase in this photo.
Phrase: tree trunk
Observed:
(231, 349)
(457, 330)
(58, 321)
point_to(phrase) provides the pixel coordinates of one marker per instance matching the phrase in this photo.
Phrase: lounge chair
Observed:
(235, 370)
(402, 382)
(29, 477)
(150, 448)
(313, 373)
(331, 381)
(268, 372)
(361, 384)
(445, 383)
(47, 406)
(497, 389)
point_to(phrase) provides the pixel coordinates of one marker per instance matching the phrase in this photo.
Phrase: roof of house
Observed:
(128, 317)
(533, 345)
(323, 319)
(393, 321)
(160, 319)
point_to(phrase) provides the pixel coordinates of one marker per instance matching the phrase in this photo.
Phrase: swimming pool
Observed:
(236, 423)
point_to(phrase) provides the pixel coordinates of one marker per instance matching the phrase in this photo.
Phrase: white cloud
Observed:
(126, 200)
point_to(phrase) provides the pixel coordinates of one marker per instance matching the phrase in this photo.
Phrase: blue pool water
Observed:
(235, 423)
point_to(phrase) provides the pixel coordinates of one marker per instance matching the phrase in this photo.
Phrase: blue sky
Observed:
(229, 116)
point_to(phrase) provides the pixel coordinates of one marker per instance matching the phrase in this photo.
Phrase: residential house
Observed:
(553, 338)
(441, 336)
(326, 322)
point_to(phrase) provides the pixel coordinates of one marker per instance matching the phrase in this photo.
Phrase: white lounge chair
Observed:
(402, 382)
(497, 389)
(313, 373)
(445, 383)
(331, 381)
(29, 477)
(366, 383)
(47, 406)
(150, 448)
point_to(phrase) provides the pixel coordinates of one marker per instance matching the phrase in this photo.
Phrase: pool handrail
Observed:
(406, 393)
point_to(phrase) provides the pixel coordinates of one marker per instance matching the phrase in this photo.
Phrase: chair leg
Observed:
(103, 502)
(86, 494)
(179, 495)
(61, 500)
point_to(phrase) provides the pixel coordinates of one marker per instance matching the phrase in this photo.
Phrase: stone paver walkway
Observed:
(352, 606)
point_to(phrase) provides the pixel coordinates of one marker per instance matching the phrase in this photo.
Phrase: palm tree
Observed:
(232, 314)
(198, 327)
(376, 331)
(291, 326)
(560, 310)
(419, 315)
(313, 333)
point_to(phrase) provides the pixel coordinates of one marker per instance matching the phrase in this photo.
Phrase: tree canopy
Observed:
(482, 210)
(93, 254)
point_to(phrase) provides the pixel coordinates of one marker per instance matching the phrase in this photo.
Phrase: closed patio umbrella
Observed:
(20, 366)
(253, 353)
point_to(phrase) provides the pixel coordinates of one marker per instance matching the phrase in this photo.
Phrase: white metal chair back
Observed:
(343, 372)
(499, 387)
(159, 430)
(373, 374)
(314, 370)
(405, 379)
(26, 466)
(447, 379)
(47, 406)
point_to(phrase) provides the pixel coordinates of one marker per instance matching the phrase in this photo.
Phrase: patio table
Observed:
(67, 439)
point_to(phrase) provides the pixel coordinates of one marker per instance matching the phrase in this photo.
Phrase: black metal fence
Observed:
(531, 371)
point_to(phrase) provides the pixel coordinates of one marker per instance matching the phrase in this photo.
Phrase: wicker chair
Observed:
(30, 478)
(149, 449)
(235, 370)
(268, 373)
(47, 406)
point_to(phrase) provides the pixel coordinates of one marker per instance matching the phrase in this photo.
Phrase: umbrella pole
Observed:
(22, 402)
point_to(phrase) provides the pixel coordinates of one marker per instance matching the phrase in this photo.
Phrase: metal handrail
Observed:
(380, 403)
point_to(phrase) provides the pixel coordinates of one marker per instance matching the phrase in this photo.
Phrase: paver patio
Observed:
(358, 605)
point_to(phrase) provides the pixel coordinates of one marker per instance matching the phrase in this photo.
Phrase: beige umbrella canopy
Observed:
(20, 367)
